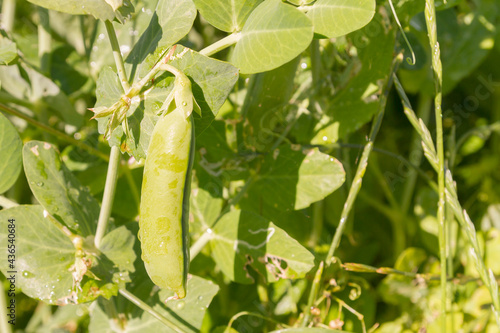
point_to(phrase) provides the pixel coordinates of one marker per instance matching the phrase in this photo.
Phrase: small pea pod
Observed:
(164, 229)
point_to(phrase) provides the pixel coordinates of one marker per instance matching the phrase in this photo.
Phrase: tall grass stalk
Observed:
(430, 20)
(461, 215)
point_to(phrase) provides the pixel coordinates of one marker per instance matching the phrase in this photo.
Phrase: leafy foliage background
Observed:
(286, 113)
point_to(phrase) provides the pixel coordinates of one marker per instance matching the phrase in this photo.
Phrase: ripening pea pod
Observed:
(164, 229)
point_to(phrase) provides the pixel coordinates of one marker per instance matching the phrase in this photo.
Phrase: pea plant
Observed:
(249, 166)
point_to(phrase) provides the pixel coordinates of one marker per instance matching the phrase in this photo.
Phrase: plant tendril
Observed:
(412, 61)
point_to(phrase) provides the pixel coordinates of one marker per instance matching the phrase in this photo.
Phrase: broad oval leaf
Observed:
(118, 246)
(265, 106)
(204, 209)
(185, 313)
(355, 104)
(334, 18)
(43, 254)
(26, 83)
(8, 51)
(309, 330)
(100, 9)
(274, 34)
(292, 179)
(229, 16)
(242, 239)
(10, 150)
(58, 190)
(172, 20)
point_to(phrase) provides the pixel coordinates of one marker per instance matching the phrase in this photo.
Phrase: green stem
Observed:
(196, 248)
(132, 298)
(363, 163)
(44, 40)
(7, 203)
(496, 118)
(316, 67)
(253, 314)
(54, 132)
(8, 14)
(313, 294)
(132, 185)
(430, 19)
(416, 154)
(221, 44)
(120, 65)
(114, 158)
(317, 223)
(108, 196)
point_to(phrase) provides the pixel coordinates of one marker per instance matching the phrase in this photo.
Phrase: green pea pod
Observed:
(164, 228)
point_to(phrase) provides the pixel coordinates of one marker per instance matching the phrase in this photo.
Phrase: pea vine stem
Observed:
(53, 131)
(8, 14)
(362, 165)
(114, 158)
(430, 20)
(221, 44)
(132, 298)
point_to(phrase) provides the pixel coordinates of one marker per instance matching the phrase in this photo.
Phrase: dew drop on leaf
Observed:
(180, 305)
(27, 274)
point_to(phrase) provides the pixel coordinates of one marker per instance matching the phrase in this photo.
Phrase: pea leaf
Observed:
(265, 104)
(58, 190)
(100, 9)
(292, 179)
(204, 209)
(212, 80)
(309, 330)
(229, 16)
(335, 18)
(27, 84)
(242, 239)
(186, 313)
(274, 34)
(43, 254)
(172, 20)
(356, 103)
(8, 51)
(118, 246)
(10, 150)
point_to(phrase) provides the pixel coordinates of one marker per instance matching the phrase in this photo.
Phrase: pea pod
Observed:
(166, 186)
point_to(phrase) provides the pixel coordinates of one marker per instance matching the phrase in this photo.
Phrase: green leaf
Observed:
(267, 96)
(186, 313)
(8, 51)
(300, 2)
(309, 330)
(100, 9)
(28, 85)
(58, 190)
(274, 34)
(356, 103)
(10, 150)
(43, 254)
(244, 239)
(229, 16)
(335, 18)
(212, 81)
(292, 178)
(118, 246)
(204, 208)
(465, 45)
(171, 21)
